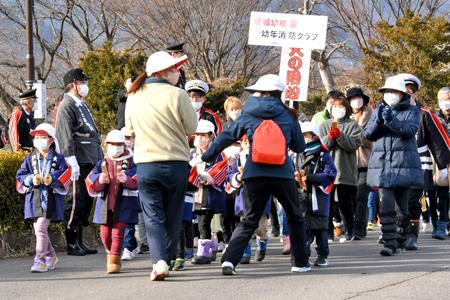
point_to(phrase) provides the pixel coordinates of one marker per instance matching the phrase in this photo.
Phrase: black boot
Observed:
(360, 231)
(72, 244)
(414, 228)
(81, 244)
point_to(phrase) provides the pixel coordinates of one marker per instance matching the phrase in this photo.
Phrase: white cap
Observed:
(46, 130)
(196, 85)
(410, 79)
(162, 60)
(205, 126)
(125, 132)
(267, 83)
(310, 127)
(394, 83)
(115, 136)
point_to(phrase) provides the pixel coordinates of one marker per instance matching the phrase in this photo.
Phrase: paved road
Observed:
(356, 271)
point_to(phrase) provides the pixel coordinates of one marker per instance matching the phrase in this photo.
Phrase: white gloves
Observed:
(195, 161)
(72, 161)
(103, 178)
(122, 177)
(443, 173)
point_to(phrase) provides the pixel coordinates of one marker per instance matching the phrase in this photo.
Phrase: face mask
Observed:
(84, 90)
(245, 151)
(256, 94)
(444, 105)
(41, 144)
(234, 114)
(339, 113)
(357, 103)
(130, 144)
(197, 105)
(392, 99)
(173, 77)
(329, 108)
(201, 143)
(115, 151)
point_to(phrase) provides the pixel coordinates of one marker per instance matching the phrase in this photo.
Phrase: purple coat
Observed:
(129, 205)
(59, 186)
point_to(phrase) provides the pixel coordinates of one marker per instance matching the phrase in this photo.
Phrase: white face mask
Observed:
(115, 151)
(339, 113)
(201, 143)
(256, 94)
(357, 102)
(245, 152)
(444, 105)
(130, 144)
(41, 144)
(329, 108)
(173, 77)
(234, 114)
(197, 105)
(84, 90)
(392, 99)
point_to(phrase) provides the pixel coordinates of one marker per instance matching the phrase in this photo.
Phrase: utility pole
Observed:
(30, 57)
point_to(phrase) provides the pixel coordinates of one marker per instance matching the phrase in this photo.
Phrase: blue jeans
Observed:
(283, 220)
(321, 241)
(129, 240)
(372, 205)
(162, 186)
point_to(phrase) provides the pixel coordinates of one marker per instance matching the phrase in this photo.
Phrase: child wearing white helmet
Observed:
(113, 181)
(44, 172)
(209, 178)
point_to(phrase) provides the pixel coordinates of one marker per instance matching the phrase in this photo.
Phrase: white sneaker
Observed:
(221, 247)
(135, 252)
(301, 270)
(126, 254)
(228, 268)
(427, 227)
(160, 271)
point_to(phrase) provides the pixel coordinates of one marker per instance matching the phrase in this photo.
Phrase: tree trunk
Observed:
(326, 75)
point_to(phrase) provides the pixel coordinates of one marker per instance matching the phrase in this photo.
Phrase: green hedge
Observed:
(11, 202)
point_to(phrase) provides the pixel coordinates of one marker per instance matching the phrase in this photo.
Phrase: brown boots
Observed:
(114, 263)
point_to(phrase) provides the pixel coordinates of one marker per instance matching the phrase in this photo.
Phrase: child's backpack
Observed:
(269, 144)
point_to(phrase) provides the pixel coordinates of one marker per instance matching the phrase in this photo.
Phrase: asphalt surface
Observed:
(356, 271)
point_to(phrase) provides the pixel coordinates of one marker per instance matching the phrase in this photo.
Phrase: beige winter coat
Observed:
(363, 153)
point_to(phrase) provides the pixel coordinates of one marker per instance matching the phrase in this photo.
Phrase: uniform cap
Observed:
(75, 74)
(28, 95)
(205, 126)
(394, 83)
(115, 136)
(410, 79)
(267, 83)
(162, 60)
(197, 85)
(176, 48)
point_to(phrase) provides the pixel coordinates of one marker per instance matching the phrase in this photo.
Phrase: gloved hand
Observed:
(380, 119)
(122, 177)
(103, 178)
(443, 173)
(387, 113)
(209, 180)
(337, 133)
(195, 161)
(331, 134)
(72, 161)
(48, 180)
(37, 179)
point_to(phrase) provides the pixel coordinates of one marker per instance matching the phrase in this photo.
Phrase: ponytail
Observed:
(137, 84)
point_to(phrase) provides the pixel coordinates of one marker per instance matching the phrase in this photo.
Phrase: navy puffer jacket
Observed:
(395, 160)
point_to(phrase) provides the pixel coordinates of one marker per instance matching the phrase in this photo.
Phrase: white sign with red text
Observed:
(294, 70)
(294, 30)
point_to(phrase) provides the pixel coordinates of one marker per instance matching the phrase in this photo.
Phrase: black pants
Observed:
(228, 220)
(439, 203)
(415, 205)
(258, 190)
(204, 218)
(189, 233)
(362, 197)
(77, 211)
(274, 214)
(181, 248)
(346, 196)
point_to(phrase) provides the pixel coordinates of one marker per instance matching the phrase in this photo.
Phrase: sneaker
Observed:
(245, 260)
(195, 242)
(427, 227)
(301, 269)
(50, 262)
(160, 271)
(135, 252)
(179, 265)
(221, 246)
(144, 249)
(275, 231)
(380, 240)
(321, 261)
(347, 238)
(386, 251)
(39, 267)
(188, 255)
(330, 239)
(399, 250)
(228, 268)
(126, 254)
(370, 226)
(172, 264)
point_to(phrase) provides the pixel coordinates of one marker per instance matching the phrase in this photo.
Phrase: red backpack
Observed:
(269, 144)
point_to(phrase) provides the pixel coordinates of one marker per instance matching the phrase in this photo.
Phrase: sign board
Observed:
(293, 30)
(294, 70)
(40, 108)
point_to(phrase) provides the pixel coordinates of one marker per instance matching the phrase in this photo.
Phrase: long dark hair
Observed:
(292, 112)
